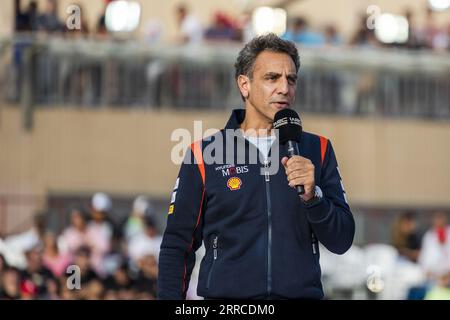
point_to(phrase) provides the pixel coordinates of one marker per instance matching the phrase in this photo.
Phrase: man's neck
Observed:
(256, 124)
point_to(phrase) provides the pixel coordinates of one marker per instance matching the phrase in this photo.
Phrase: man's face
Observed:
(273, 85)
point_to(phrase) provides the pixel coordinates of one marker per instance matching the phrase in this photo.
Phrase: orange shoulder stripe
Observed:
(323, 147)
(197, 150)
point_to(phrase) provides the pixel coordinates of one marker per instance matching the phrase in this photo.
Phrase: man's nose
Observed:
(283, 86)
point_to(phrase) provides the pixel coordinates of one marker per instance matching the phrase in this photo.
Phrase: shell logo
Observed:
(234, 183)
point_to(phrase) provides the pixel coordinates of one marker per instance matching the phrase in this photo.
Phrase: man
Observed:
(261, 238)
(190, 29)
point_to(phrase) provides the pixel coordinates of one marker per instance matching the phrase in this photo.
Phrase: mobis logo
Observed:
(231, 169)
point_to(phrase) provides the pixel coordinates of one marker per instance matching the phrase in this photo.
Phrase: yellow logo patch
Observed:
(234, 183)
(171, 208)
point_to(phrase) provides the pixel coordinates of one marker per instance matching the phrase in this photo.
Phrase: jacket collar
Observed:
(236, 118)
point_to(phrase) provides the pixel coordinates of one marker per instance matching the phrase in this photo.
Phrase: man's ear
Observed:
(244, 85)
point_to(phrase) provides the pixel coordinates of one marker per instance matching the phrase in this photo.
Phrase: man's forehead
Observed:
(268, 61)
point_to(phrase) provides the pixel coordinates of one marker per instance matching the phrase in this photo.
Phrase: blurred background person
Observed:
(75, 235)
(120, 283)
(302, 34)
(435, 253)
(135, 224)
(405, 236)
(35, 275)
(101, 30)
(190, 30)
(88, 275)
(99, 232)
(364, 36)
(223, 28)
(146, 281)
(441, 289)
(26, 21)
(10, 284)
(53, 259)
(18, 244)
(49, 21)
(146, 243)
(332, 36)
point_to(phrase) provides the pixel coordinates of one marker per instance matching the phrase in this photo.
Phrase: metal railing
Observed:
(87, 73)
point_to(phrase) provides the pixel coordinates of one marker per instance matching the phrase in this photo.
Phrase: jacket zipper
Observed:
(269, 228)
(314, 242)
(215, 245)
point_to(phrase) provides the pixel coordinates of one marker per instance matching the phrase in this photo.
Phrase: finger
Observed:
(295, 168)
(297, 174)
(298, 159)
(284, 162)
(307, 182)
(302, 167)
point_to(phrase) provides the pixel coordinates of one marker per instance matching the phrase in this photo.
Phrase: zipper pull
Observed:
(266, 172)
(215, 246)
(313, 242)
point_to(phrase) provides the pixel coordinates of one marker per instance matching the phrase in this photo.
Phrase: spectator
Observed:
(245, 27)
(82, 260)
(147, 243)
(135, 224)
(332, 36)
(102, 31)
(301, 34)
(405, 237)
(121, 283)
(75, 236)
(9, 284)
(441, 290)
(364, 36)
(34, 277)
(53, 289)
(28, 20)
(435, 254)
(222, 29)
(49, 21)
(145, 284)
(189, 28)
(28, 239)
(413, 41)
(52, 258)
(94, 290)
(99, 232)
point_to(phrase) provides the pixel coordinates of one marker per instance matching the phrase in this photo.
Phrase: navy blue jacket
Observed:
(261, 240)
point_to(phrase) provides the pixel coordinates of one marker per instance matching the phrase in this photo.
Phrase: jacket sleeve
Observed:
(183, 234)
(331, 218)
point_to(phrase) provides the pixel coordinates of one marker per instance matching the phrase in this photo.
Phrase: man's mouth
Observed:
(281, 104)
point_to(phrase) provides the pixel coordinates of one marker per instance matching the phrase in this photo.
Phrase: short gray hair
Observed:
(270, 42)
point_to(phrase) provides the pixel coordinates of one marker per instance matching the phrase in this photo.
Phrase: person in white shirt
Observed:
(190, 29)
(434, 257)
(145, 243)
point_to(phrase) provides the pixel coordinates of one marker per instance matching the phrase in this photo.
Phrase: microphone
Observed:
(289, 128)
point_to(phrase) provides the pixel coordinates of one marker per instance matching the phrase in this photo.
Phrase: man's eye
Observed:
(292, 80)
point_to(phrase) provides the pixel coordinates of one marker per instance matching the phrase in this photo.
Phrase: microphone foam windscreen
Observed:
(289, 125)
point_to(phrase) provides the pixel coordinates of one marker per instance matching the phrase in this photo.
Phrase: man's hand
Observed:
(300, 171)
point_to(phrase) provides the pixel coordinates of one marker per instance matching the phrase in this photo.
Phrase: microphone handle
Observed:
(292, 150)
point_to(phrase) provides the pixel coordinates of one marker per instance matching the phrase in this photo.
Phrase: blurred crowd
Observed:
(430, 250)
(224, 27)
(92, 258)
